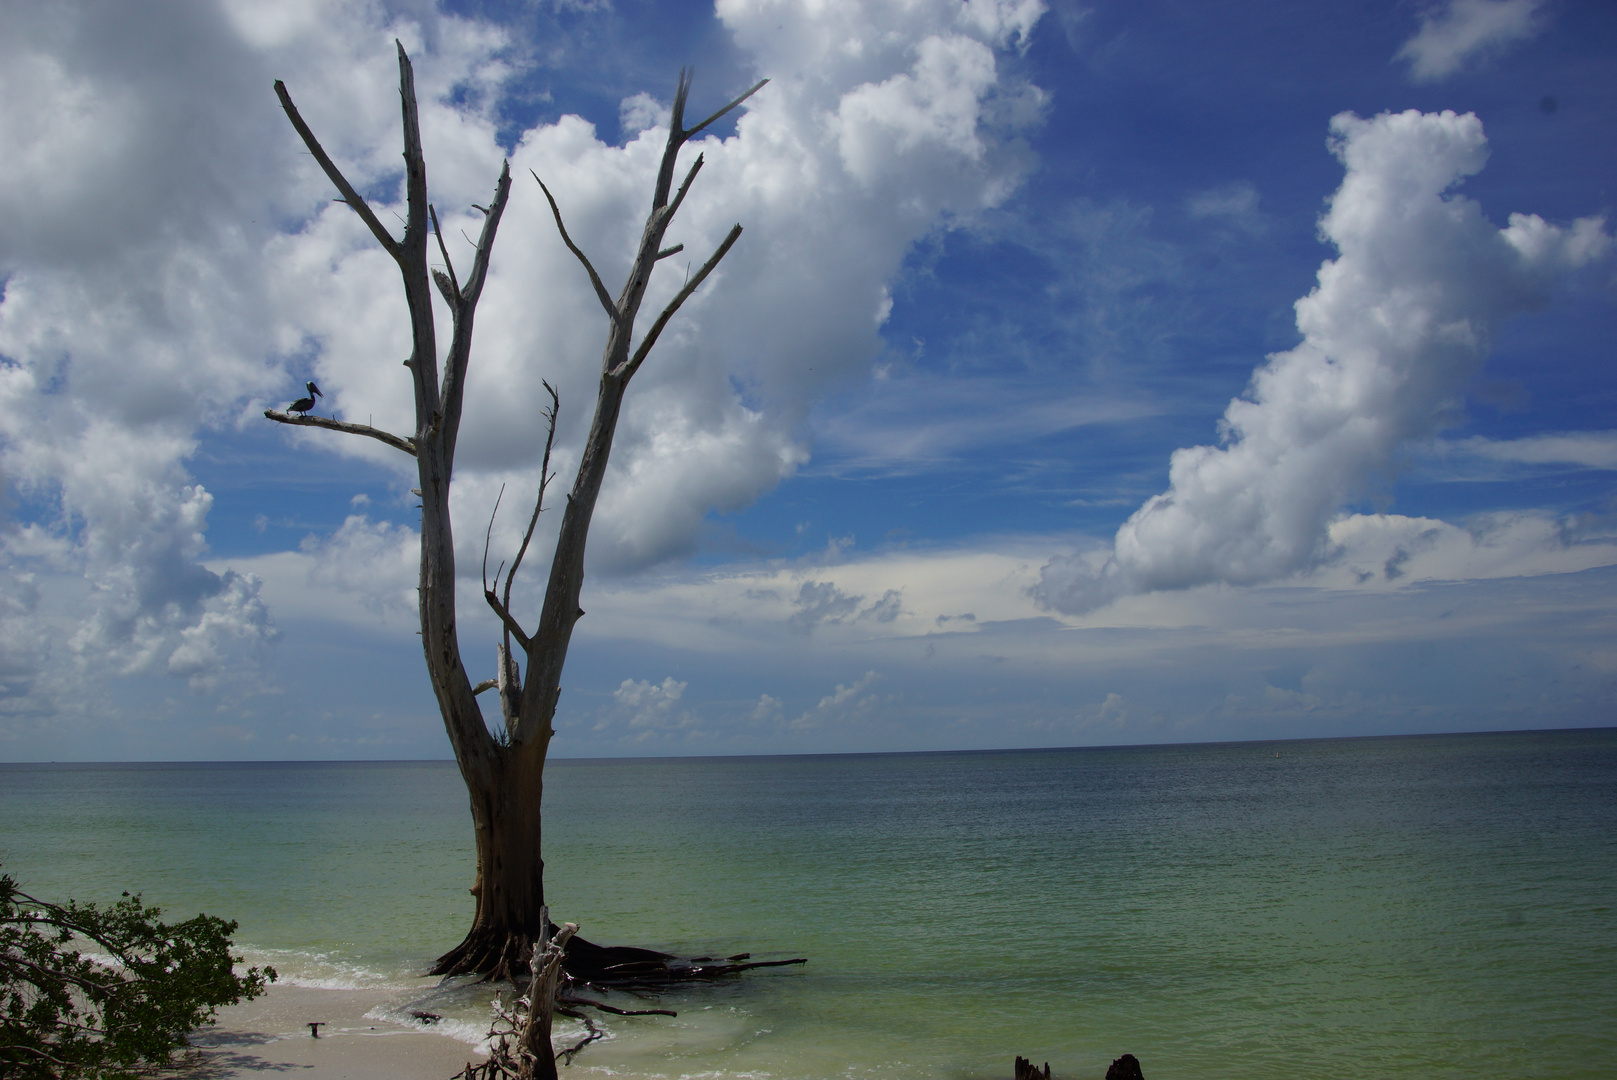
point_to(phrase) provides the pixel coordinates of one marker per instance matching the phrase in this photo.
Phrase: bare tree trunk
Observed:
(510, 883)
(504, 769)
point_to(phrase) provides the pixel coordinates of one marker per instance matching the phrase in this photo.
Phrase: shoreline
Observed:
(357, 1041)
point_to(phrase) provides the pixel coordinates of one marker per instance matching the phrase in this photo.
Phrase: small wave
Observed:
(464, 1013)
(325, 971)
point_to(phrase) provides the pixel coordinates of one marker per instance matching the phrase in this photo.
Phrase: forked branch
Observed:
(395, 441)
(512, 627)
(501, 605)
(462, 298)
(628, 369)
(759, 85)
(452, 293)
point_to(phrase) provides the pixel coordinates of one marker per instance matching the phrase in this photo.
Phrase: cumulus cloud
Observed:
(377, 562)
(881, 123)
(649, 707)
(819, 602)
(174, 263)
(1451, 35)
(846, 702)
(1396, 325)
(145, 176)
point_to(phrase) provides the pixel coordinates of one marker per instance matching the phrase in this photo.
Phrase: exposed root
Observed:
(572, 1001)
(591, 1034)
(503, 957)
(495, 956)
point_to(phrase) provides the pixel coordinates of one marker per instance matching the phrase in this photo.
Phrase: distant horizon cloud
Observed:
(1451, 36)
(1396, 325)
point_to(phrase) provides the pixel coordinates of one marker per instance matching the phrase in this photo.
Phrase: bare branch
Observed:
(397, 443)
(485, 240)
(460, 348)
(544, 482)
(676, 139)
(349, 195)
(453, 298)
(628, 368)
(415, 163)
(759, 86)
(512, 627)
(675, 250)
(673, 207)
(595, 279)
(488, 535)
(486, 684)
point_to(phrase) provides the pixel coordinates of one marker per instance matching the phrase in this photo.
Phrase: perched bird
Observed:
(304, 404)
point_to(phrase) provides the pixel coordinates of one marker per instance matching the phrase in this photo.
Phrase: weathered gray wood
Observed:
(304, 420)
(504, 772)
(548, 651)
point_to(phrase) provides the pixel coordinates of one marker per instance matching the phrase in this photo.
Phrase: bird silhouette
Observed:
(304, 404)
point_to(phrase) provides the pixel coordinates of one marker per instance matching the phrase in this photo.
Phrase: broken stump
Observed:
(1126, 1067)
(1025, 1070)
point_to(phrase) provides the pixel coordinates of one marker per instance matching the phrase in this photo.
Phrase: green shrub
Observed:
(130, 998)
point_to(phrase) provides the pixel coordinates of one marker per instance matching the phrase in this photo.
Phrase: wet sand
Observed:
(270, 1037)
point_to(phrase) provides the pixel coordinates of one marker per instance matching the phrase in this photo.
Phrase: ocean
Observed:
(1431, 906)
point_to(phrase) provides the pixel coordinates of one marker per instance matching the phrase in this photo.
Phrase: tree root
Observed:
(590, 1035)
(503, 957)
(519, 1036)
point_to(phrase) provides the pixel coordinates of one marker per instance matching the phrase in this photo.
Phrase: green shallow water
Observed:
(1433, 906)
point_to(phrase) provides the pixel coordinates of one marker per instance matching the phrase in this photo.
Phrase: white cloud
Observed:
(1586, 449)
(1464, 29)
(145, 174)
(376, 562)
(1235, 202)
(173, 262)
(1397, 324)
(887, 119)
(650, 705)
(840, 705)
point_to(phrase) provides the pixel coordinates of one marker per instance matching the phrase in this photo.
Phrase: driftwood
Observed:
(519, 1038)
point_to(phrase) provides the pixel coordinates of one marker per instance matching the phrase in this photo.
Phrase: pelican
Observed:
(304, 404)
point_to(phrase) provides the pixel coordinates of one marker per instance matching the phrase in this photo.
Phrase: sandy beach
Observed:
(270, 1036)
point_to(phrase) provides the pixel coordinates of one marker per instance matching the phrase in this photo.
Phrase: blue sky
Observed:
(1086, 374)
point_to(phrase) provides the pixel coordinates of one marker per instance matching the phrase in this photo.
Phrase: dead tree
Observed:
(504, 768)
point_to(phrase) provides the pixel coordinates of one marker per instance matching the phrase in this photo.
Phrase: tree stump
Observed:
(1126, 1067)
(1025, 1070)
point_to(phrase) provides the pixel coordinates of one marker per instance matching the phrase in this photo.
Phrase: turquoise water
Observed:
(1436, 906)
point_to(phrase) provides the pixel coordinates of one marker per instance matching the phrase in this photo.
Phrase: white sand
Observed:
(270, 1037)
